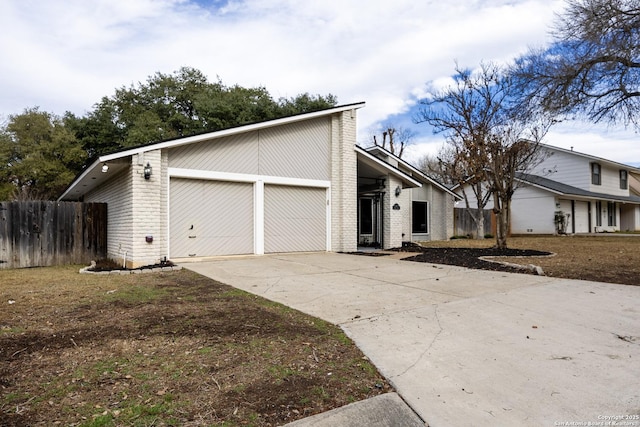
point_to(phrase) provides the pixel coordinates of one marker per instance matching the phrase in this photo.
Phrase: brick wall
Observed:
(393, 219)
(344, 183)
(147, 209)
(116, 192)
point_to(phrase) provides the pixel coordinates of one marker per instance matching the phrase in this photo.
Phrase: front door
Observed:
(370, 221)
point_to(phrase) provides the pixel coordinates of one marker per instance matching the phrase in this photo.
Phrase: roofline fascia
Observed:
(387, 166)
(589, 156)
(210, 135)
(229, 132)
(609, 197)
(418, 171)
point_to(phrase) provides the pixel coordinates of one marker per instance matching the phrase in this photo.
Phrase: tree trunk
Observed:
(501, 230)
(480, 224)
(502, 224)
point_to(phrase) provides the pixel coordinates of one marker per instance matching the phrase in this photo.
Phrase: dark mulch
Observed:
(469, 257)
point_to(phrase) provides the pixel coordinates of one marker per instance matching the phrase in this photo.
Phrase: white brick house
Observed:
(283, 185)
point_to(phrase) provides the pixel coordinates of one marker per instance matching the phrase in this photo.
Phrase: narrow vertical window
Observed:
(623, 180)
(420, 213)
(595, 174)
(611, 214)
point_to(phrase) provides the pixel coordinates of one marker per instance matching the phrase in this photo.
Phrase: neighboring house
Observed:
(588, 194)
(285, 185)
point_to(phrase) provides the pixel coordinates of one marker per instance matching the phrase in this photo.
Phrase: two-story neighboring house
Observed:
(590, 193)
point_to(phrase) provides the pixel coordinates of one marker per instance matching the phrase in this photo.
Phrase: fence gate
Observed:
(43, 233)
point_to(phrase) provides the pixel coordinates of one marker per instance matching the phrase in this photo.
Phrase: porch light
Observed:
(105, 168)
(147, 171)
(398, 191)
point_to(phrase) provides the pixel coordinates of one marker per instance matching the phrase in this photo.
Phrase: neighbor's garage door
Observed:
(295, 219)
(210, 218)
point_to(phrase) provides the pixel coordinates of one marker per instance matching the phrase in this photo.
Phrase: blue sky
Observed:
(64, 55)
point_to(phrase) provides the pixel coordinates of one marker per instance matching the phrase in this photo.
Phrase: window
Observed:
(595, 174)
(623, 180)
(598, 213)
(420, 213)
(611, 214)
(366, 216)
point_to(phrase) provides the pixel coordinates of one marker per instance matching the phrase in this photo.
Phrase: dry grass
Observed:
(165, 349)
(612, 259)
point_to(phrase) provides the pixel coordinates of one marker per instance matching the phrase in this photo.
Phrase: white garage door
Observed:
(295, 219)
(210, 218)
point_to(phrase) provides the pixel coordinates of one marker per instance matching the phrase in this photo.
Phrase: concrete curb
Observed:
(385, 410)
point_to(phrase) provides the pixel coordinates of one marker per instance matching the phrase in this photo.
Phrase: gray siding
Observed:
(298, 150)
(237, 154)
(294, 219)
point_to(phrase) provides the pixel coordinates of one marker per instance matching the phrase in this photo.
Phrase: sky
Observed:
(65, 55)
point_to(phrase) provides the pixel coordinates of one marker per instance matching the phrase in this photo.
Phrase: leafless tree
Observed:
(394, 139)
(489, 140)
(593, 67)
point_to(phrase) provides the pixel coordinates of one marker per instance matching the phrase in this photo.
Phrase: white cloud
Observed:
(66, 54)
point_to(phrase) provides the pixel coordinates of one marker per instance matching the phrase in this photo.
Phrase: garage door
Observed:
(210, 218)
(295, 219)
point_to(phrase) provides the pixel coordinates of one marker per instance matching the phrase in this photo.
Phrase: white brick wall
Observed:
(393, 219)
(147, 209)
(116, 192)
(344, 183)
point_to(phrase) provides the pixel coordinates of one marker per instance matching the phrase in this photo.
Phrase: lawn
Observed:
(612, 259)
(170, 348)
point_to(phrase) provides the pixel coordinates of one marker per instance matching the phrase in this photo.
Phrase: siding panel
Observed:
(238, 154)
(298, 150)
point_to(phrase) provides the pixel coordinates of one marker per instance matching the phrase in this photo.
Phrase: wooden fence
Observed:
(464, 224)
(43, 233)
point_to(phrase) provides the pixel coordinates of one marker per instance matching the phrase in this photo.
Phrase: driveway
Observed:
(468, 347)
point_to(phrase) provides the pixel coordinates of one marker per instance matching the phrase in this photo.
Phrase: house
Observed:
(285, 185)
(572, 192)
(418, 208)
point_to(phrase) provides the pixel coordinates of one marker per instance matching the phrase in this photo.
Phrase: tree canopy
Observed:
(39, 156)
(40, 153)
(489, 140)
(592, 69)
(184, 103)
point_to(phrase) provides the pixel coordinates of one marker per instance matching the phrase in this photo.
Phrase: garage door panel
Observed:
(211, 218)
(294, 219)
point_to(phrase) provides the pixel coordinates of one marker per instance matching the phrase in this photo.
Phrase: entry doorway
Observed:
(370, 220)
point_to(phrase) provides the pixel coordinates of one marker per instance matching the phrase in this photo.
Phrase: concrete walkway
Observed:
(468, 347)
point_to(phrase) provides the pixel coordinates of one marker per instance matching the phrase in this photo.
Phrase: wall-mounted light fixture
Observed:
(398, 191)
(147, 171)
(105, 168)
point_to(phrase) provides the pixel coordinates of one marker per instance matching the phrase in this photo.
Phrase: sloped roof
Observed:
(568, 190)
(92, 177)
(590, 157)
(416, 173)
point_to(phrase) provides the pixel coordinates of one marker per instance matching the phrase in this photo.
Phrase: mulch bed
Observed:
(469, 257)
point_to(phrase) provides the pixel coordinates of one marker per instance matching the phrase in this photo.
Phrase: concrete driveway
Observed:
(468, 347)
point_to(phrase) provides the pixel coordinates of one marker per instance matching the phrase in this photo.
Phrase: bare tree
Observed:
(394, 139)
(489, 140)
(435, 167)
(593, 68)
